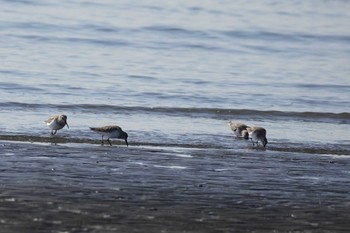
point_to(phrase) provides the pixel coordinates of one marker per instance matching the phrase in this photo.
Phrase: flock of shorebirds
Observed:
(241, 130)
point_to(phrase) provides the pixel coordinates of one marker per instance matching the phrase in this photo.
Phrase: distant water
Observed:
(174, 73)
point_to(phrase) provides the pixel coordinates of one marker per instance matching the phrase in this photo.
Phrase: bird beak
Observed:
(265, 142)
(67, 125)
(126, 141)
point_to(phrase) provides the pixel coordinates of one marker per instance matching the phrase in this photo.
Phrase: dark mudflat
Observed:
(90, 188)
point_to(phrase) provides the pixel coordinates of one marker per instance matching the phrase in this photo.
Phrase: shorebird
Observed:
(56, 123)
(111, 131)
(257, 134)
(239, 129)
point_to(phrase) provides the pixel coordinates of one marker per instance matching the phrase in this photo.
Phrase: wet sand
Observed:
(89, 188)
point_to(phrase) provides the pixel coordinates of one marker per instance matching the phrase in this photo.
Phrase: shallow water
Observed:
(172, 75)
(177, 72)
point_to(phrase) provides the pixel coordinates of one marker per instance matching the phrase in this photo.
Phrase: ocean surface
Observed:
(172, 74)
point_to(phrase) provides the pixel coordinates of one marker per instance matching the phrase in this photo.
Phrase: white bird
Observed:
(56, 123)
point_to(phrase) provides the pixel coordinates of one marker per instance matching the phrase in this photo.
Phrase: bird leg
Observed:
(252, 141)
(102, 141)
(53, 133)
(109, 142)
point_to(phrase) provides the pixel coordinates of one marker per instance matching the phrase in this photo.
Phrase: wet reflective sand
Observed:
(89, 188)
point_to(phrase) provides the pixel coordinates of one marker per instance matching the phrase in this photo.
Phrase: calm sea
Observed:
(174, 73)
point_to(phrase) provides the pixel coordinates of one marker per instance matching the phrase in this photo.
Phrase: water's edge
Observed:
(325, 149)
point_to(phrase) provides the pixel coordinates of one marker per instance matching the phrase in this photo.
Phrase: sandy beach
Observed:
(90, 188)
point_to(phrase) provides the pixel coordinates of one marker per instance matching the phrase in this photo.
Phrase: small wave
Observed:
(215, 113)
(75, 40)
(15, 86)
(143, 77)
(293, 37)
(177, 31)
(24, 2)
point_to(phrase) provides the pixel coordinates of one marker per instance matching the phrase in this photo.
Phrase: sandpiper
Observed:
(257, 134)
(239, 129)
(111, 131)
(56, 123)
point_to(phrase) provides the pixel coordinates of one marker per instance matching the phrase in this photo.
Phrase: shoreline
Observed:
(321, 149)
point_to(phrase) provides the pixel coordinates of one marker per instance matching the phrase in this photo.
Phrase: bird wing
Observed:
(51, 119)
(108, 128)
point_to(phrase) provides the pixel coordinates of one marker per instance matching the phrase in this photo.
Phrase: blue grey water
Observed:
(177, 71)
(172, 74)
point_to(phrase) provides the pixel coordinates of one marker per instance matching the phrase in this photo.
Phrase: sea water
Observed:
(177, 72)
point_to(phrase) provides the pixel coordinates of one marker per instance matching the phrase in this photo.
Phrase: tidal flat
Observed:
(77, 187)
